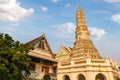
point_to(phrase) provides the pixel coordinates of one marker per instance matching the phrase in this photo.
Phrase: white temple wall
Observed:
(87, 75)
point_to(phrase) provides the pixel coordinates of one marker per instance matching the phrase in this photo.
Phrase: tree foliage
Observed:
(46, 77)
(117, 78)
(13, 59)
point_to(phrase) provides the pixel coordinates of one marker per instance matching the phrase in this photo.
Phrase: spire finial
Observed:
(43, 35)
(79, 6)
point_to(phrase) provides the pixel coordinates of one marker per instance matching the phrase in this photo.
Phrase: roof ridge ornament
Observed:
(43, 35)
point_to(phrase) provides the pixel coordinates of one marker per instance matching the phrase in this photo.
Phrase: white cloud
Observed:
(64, 31)
(112, 1)
(116, 18)
(44, 8)
(55, 1)
(10, 10)
(66, 28)
(97, 33)
(67, 5)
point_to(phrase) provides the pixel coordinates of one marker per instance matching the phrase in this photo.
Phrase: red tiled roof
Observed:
(41, 43)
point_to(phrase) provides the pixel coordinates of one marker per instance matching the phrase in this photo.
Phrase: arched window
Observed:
(81, 77)
(66, 77)
(100, 77)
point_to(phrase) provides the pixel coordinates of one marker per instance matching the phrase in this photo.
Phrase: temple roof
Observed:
(64, 51)
(41, 48)
(40, 53)
(40, 42)
(64, 54)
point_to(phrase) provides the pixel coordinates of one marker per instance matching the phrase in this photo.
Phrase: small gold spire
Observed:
(79, 8)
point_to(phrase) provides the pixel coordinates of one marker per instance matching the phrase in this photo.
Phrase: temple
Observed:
(83, 61)
(42, 59)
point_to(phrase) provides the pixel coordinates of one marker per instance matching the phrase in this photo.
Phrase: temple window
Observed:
(45, 69)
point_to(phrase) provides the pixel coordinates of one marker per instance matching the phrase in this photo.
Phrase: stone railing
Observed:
(88, 61)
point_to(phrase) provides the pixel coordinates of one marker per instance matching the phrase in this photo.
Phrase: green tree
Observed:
(117, 78)
(46, 77)
(13, 59)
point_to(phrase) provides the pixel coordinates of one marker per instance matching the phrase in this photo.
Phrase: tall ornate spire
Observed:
(83, 46)
(81, 30)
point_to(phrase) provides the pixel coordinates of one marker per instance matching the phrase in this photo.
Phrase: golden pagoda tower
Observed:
(83, 61)
(83, 46)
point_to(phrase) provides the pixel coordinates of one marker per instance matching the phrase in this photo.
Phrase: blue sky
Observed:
(25, 20)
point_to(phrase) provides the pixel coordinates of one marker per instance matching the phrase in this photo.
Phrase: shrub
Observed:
(46, 77)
